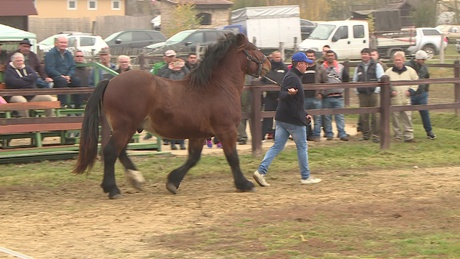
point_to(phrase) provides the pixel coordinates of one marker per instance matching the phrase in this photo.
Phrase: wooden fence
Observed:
(257, 114)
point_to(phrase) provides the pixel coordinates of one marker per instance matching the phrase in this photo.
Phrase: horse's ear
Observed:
(241, 38)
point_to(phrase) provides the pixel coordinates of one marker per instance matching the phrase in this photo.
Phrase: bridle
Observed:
(258, 62)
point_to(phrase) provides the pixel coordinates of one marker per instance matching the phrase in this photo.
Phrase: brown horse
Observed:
(204, 104)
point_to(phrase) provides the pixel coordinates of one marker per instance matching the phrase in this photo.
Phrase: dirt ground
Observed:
(78, 221)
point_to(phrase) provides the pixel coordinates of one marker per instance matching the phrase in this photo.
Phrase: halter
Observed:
(258, 62)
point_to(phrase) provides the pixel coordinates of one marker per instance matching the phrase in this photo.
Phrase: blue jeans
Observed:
(331, 103)
(282, 132)
(314, 103)
(420, 99)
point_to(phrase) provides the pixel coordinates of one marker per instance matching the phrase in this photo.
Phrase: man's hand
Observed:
(292, 91)
(48, 79)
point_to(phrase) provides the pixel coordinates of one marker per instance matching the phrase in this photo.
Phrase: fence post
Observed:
(385, 103)
(141, 59)
(457, 85)
(256, 120)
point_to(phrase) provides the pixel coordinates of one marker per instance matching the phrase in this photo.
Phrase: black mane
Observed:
(201, 75)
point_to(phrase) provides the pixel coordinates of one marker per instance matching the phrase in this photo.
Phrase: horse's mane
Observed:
(201, 75)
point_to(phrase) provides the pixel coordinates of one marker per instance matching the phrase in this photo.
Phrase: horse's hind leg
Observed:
(228, 141)
(108, 182)
(195, 147)
(111, 151)
(133, 176)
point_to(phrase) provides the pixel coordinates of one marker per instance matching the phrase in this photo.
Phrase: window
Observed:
(358, 31)
(196, 38)
(87, 41)
(204, 18)
(92, 4)
(341, 33)
(141, 36)
(116, 5)
(71, 4)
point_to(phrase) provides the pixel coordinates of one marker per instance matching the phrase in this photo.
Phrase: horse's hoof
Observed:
(116, 196)
(171, 188)
(135, 179)
(248, 186)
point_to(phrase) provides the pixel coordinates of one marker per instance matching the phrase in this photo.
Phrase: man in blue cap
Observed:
(291, 119)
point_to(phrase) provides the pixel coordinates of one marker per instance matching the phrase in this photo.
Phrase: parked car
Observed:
(429, 40)
(85, 42)
(185, 42)
(452, 32)
(134, 38)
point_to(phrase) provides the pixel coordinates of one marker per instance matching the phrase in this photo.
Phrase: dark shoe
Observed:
(409, 140)
(344, 138)
(173, 147)
(242, 142)
(431, 135)
(329, 138)
(376, 140)
(311, 138)
(316, 139)
(182, 148)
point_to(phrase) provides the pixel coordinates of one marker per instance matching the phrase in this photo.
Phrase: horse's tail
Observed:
(89, 135)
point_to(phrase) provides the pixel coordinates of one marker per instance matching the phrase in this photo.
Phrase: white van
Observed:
(346, 38)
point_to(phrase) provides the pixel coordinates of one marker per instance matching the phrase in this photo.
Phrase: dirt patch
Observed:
(207, 218)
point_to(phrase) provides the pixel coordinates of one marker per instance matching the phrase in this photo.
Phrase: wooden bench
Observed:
(35, 128)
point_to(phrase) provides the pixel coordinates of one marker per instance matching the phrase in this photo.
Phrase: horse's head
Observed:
(257, 63)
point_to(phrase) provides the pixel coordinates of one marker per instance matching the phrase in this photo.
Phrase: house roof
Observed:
(206, 3)
(17, 8)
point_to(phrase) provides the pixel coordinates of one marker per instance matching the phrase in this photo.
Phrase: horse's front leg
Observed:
(195, 147)
(228, 141)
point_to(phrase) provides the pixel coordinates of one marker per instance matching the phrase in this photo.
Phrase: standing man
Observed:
(191, 62)
(104, 59)
(333, 98)
(31, 59)
(313, 99)
(291, 119)
(368, 71)
(402, 121)
(276, 73)
(168, 57)
(420, 97)
(60, 66)
(124, 64)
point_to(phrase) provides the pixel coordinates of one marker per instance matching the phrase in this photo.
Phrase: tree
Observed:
(425, 14)
(184, 17)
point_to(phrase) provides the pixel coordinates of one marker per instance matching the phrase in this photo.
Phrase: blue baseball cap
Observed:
(301, 57)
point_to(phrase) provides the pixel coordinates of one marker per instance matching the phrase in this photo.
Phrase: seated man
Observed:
(31, 59)
(104, 59)
(60, 66)
(20, 76)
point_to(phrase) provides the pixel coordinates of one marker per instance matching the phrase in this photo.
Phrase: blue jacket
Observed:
(291, 107)
(57, 64)
(23, 78)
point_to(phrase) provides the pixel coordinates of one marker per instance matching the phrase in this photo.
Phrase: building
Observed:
(15, 13)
